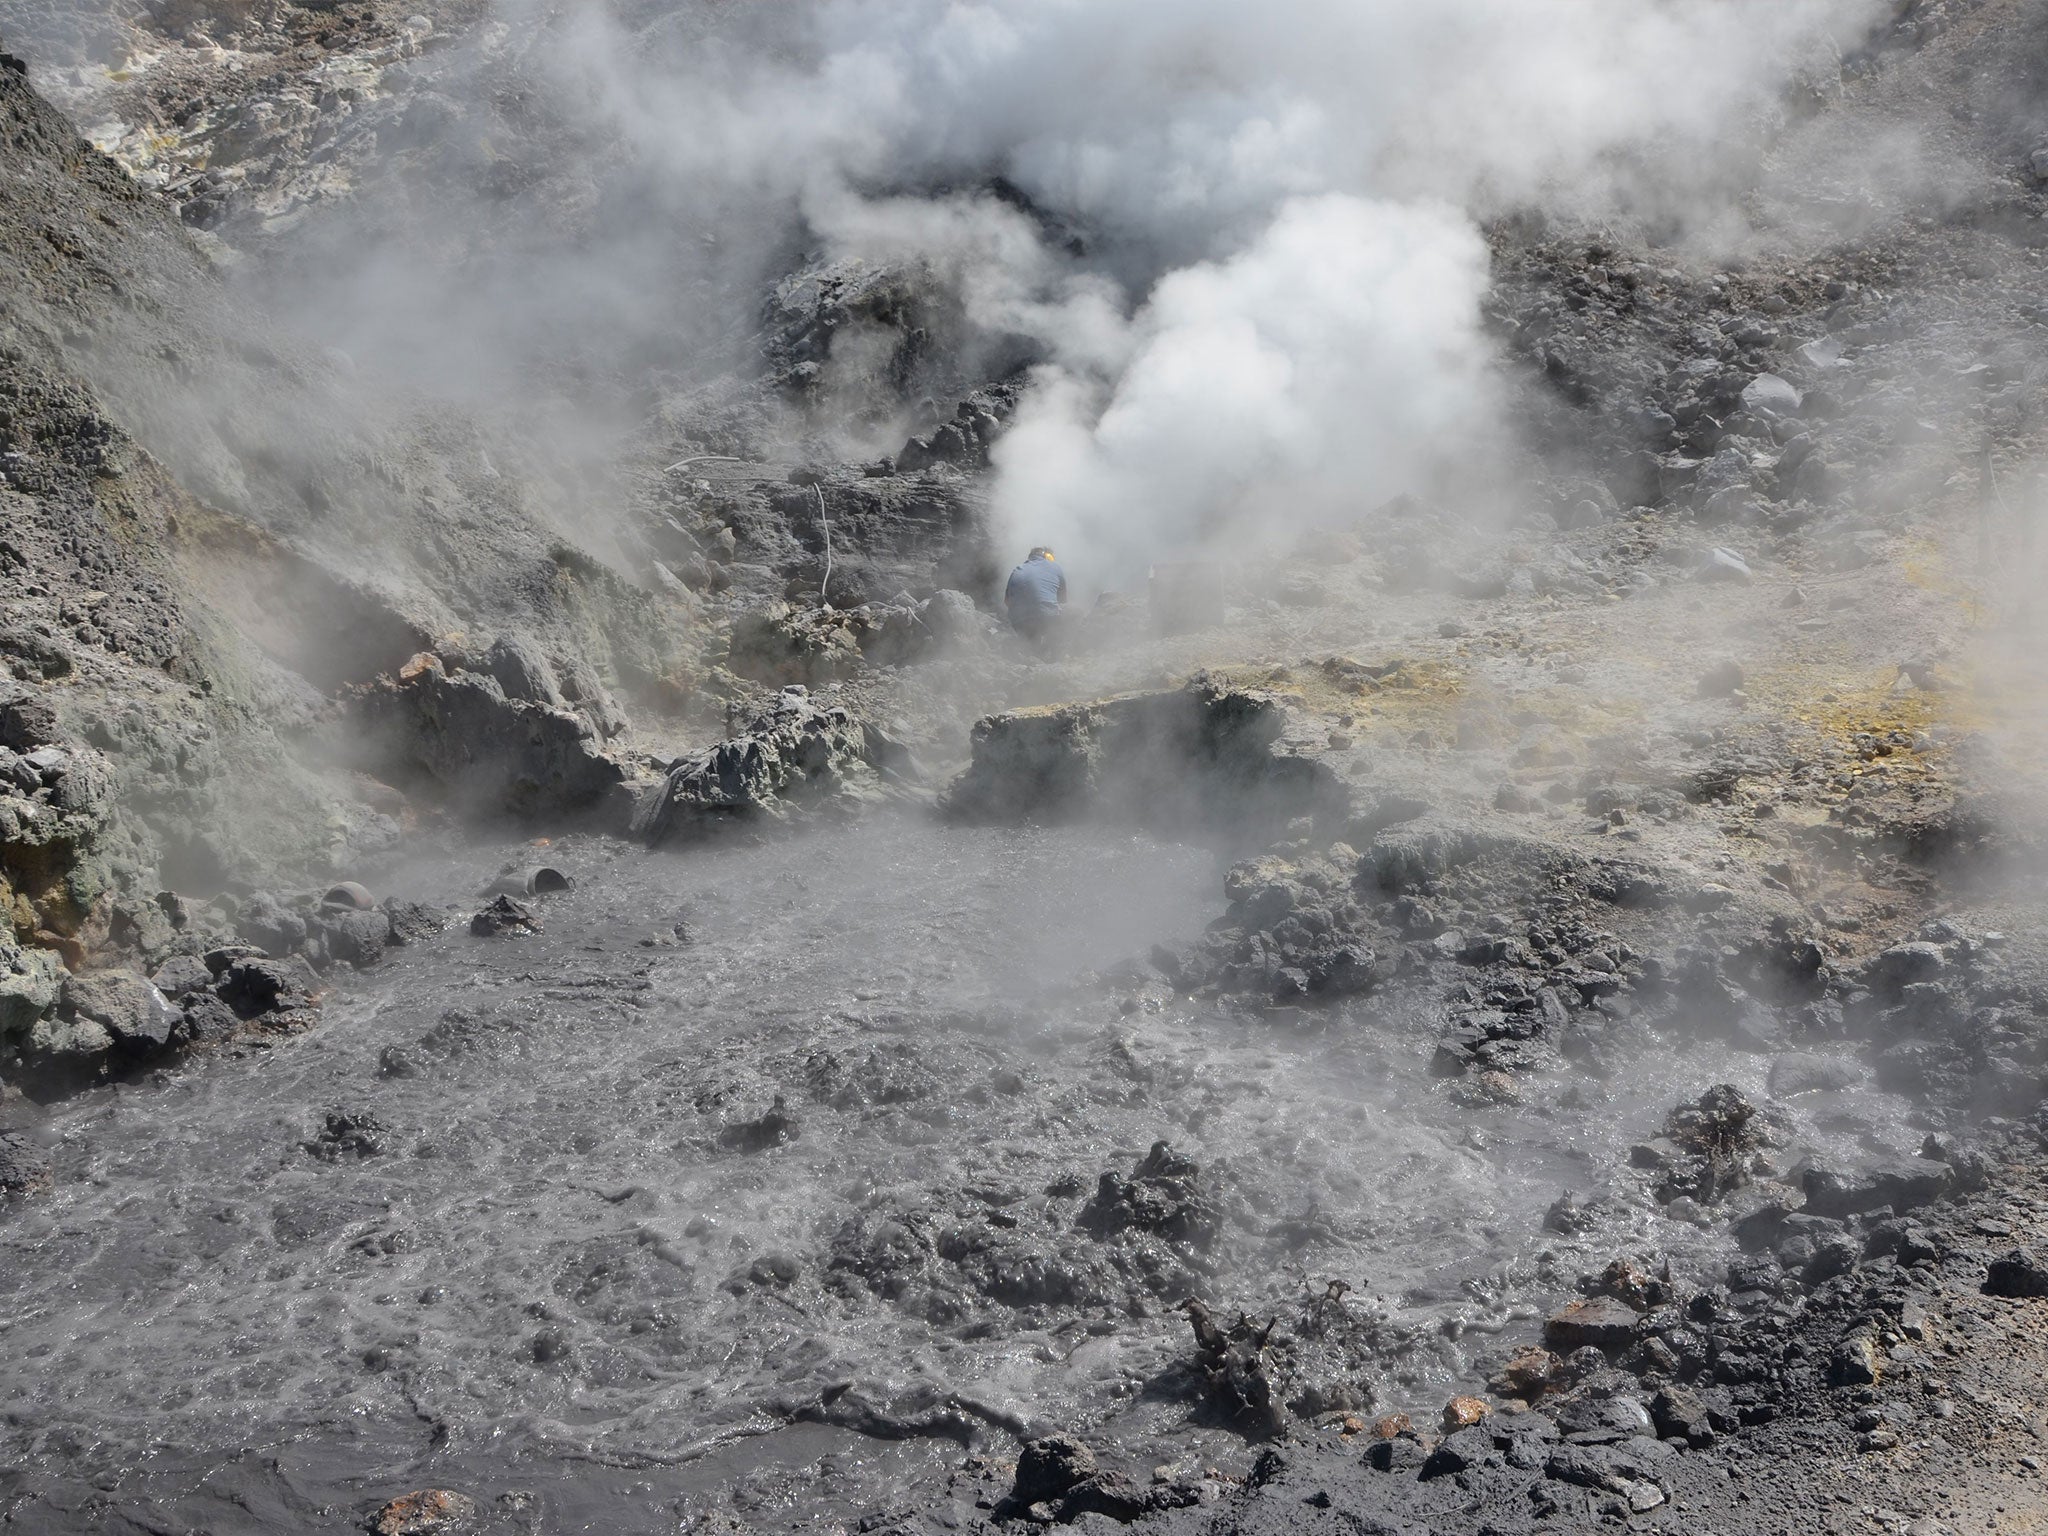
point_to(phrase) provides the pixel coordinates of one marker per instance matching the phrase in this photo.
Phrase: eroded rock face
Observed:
(461, 730)
(1205, 756)
(56, 807)
(792, 758)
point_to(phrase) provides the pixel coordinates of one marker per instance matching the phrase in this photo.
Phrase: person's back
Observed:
(1034, 594)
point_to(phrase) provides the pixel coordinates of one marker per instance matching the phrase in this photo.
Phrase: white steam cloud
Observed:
(1279, 314)
(1273, 315)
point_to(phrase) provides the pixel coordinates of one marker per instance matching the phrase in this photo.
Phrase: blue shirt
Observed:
(1036, 584)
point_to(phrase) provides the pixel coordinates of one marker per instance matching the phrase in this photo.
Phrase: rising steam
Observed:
(1247, 253)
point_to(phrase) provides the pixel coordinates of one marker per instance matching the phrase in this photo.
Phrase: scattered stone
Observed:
(205, 1020)
(1681, 1413)
(1595, 1420)
(1904, 965)
(1049, 1466)
(181, 974)
(413, 923)
(348, 1134)
(1725, 565)
(502, 917)
(1902, 1183)
(1599, 1321)
(258, 986)
(1459, 1451)
(774, 1128)
(1855, 1362)
(1463, 1413)
(2017, 1273)
(132, 1011)
(1403, 1452)
(429, 1512)
(1720, 680)
(1767, 392)
(1530, 1372)
(1165, 1194)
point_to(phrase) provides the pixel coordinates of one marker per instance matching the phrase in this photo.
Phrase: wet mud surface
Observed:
(789, 1173)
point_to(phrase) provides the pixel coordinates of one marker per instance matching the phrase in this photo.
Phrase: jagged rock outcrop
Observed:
(1207, 756)
(793, 758)
(490, 751)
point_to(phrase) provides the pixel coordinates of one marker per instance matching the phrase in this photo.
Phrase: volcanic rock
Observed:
(1902, 1183)
(2017, 1273)
(1599, 1321)
(1047, 1467)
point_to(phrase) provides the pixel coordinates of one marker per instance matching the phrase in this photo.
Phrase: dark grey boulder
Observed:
(1459, 1452)
(1599, 1321)
(1051, 1465)
(2018, 1273)
(523, 671)
(1902, 1183)
(205, 1020)
(135, 1013)
(180, 975)
(253, 986)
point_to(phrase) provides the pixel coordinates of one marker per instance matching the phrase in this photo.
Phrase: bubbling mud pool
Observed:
(759, 1180)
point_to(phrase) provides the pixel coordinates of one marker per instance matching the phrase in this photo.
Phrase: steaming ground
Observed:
(554, 1252)
(1696, 692)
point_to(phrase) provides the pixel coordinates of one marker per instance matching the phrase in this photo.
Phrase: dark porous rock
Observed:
(256, 986)
(1903, 965)
(354, 937)
(790, 758)
(1049, 1466)
(773, 1129)
(24, 1166)
(1591, 1420)
(218, 959)
(504, 916)
(1854, 1362)
(1902, 1183)
(1165, 1194)
(205, 1020)
(1459, 1452)
(135, 1013)
(347, 1134)
(1600, 1322)
(1107, 1493)
(462, 730)
(414, 923)
(1682, 1414)
(777, 1269)
(181, 974)
(1403, 1452)
(1208, 754)
(2017, 1273)
(1608, 1470)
